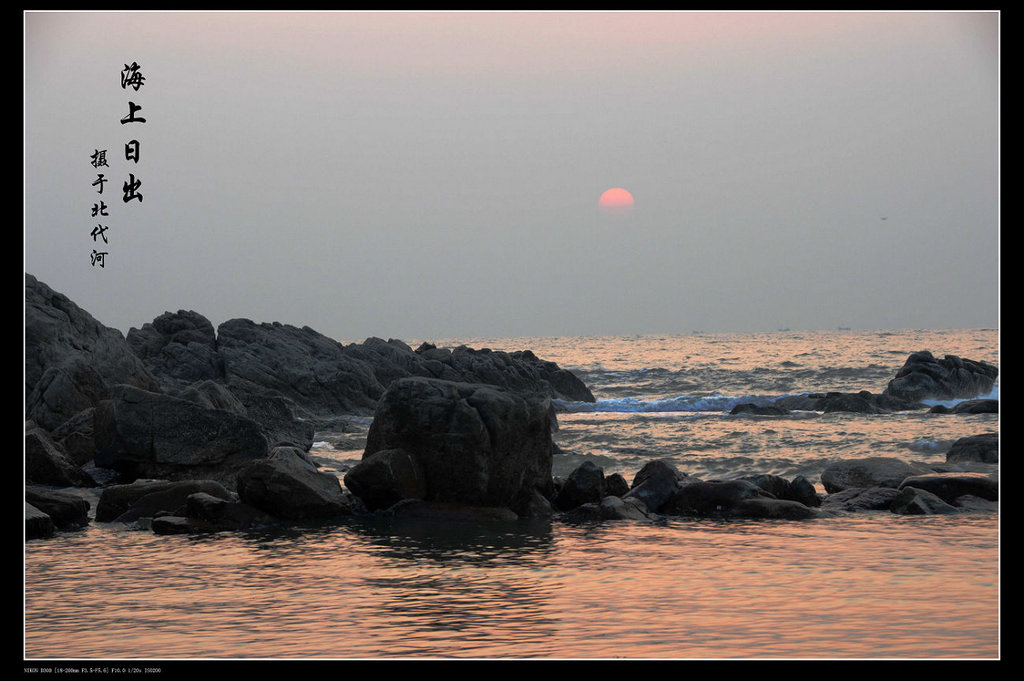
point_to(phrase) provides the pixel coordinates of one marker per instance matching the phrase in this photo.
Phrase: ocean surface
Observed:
(866, 585)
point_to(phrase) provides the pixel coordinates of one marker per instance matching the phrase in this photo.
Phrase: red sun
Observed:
(616, 200)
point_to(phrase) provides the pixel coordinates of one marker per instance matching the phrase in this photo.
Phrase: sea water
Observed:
(866, 585)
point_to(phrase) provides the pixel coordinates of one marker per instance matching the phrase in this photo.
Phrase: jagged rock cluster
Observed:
(191, 430)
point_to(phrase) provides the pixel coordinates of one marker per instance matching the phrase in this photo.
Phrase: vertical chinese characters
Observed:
(131, 77)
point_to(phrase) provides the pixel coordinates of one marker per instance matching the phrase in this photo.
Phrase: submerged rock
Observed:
(863, 402)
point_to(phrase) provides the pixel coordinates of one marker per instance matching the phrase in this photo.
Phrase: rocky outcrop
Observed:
(475, 444)
(178, 348)
(877, 471)
(925, 377)
(983, 448)
(71, 360)
(149, 435)
(984, 406)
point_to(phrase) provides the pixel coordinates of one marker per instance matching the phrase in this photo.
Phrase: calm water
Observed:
(861, 586)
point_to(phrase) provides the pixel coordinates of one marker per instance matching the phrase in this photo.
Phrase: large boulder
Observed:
(46, 463)
(875, 471)
(71, 360)
(983, 448)
(925, 377)
(151, 435)
(476, 444)
(288, 485)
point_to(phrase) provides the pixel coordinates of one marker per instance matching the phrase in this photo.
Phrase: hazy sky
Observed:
(433, 175)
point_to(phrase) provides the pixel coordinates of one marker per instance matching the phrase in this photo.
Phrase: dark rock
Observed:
(476, 444)
(178, 348)
(288, 485)
(38, 525)
(656, 484)
(968, 407)
(304, 366)
(863, 402)
(386, 477)
(584, 485)
(67, 511)
(949, 486)
(225, 514)
(983, 448)
(972, 504)
(75, 437)
(616, 508)
(47, 464)
(759, 410)
(615, 485)
(858, 499)
(925, 377)
(799, 490)
(150, 435)
(914, 501)
(584, 513)
(877, 471)
(71, 360)
(212, 395)
(803, 491)
(717, 498)
(146, 498)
